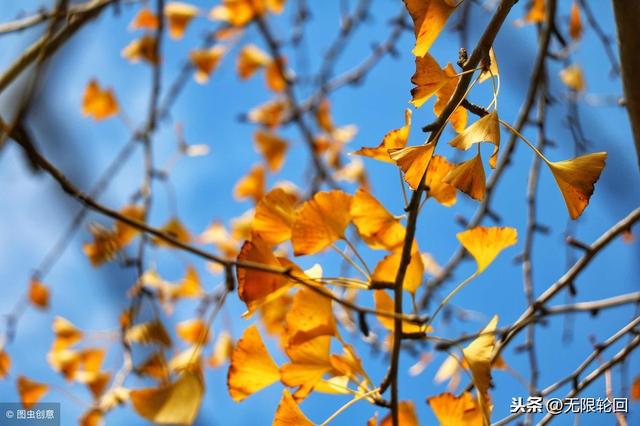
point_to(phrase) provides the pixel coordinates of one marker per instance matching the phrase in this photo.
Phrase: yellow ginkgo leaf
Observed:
(250, 59)
(309, 362)
(144, 20)
(406, 415)
(251, 185)
(310, 316)
(384, 303)
(273, 218)
(387, 269)
(413, 161)
(394, 139)
(478, 356)
(179, 15)
(175, 403)
(377, 227)
(38, 294)
(537, 12)
(490, 71)
(193, 331)
(635, 389)
(453, 410)
(458, 118)
(485, 243)
(323, 116)
(205, 61)
(429, 18)
(486, 129)
(5, 364)
(428, 79)
(576, 179)
(66, 334)
(189, 286)
(126, 233)
(320, 221)
(255, 286)
(144, 49)
(252, 368)
(272, 147)
(273, 75)
(99, 103)
(175, 229)
(572, 78)
(222, 350)
(92, 417)
(269, 114)
(240, 12)
(155, 365)
(146, 333)
(273, 314)
(442, 192)
(288, 413)
(575, 23)
(30, 392)
(469, 178)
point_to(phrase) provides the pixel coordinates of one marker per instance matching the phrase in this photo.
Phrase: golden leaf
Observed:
(490, 71)
(222, 350)
(486, 129)
(575, 23)
(413, 161)
(189, 286)
(323, 116)
(458, 118)
(310, 316)
(252, 368)
(537, 12)
(272, 147)
(309, 362)
(66, 334)
(206, 61)
(240, 12)
(377, 227)
(155, 365)
(486, 243)
(99, 103)
(288, 413)
(576, 179)
(174, 228)
(5, 364)
(273, 75)
(384, 303)
(635, 389)
(453, 410)
(429, 18)
(274, 215)
(251, 185)
(143, 48)
(125, 233)
(572, 78)
(394, 139)
(30, 392)
(179, 15)
(38, 294)
(428, 79)
(387, 269)
(406, 415)
(193, 331)
(146, 333)
(320, 221)
(175, 403)
(250, 59)
(469, 178)
(144, 20)
(269, 114)
(442, 192)
(92, 417)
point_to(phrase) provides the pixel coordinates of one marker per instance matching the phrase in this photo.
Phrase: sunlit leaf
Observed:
(309, 362)
(99, 103)
(486, 243)
(428, 79)
(250, 59)
(575, 23)
(384, 303)
(486, 129)
(406, 415)
(240, 12)
(442, 192)
(353, 171)
(274, 216)
(635, 389)
(573, 78)
(205, 61)
(492, 70)
(66, 334)
(453, 410)
(252, 368)
(272, 147)
(92, 417)
(30, 392)
(179, 15)
(38, 294)
(469, 178)
(288, 413)
(189, 286)
(174, 228)
(175, 403)
(537, 12)
(222, 350)
(310, 316)
(273, 75)
(377, 227)
(269, 114)
(394, 139)
(145, 19)
(193, 331)
(458, 118)
(146, 333)
(413, 161)
(5, 364)
(387, 269)
(126, 233)
(155, 365)
(251, 185)
(143, 48)
(429, 18)
(576, 179)
(320, 221)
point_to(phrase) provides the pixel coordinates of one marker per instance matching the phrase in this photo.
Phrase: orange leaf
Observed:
(269, 114)
(387, 269)
(93, 417)
(66, 334)
(394, 139)
(144, 20)
(413, 161)
(323, 116)
(406, 415)
(429, 18)
(240, 12)
(252, 368)
(459, 116)
(30, 392)
(486, 129)
(486, 243)
(310, 316)
(537, 13)
(288, 412)
(189, 286)
(576, 179)
(274, 215)
(384, 303)
(193, 331)
(575, 23)
(38, 294)
(5, 364)
(309, 362)
(222, 350)
(179, 15)
(174, 228)
(469, 178)
(206, 61)
(452, 410)
(143, 48)
(152, 332)
(490, 71)
(320, 221)
(572, 78)
(272, 148)
(126, 233)
(443, 193)
(635, 389)
(250, 60)
(273, 75)
(97, 103)
(428, 79)
(377, 227)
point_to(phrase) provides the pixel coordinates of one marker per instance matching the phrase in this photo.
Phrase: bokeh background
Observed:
(34, 212)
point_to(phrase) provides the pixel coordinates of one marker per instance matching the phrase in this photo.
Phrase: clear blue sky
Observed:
(34, 212)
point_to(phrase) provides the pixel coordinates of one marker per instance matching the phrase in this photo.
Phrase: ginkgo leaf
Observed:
(179, 15)
(320, 221)
(126, 233)
(288, 413)
(272, 147)
(394, 139)
(151, 332)
(66, 333)
(175, 229)
(469, 178)
(269, 114)
(274, 215)
(310, 316)
(384, 303)
(252, 368)
(478, 356)
(99, 103)
(175, 403)
(189, 286)
(406, 415)
(193, 331)
(273, 314)
(145, 19)
(251, 185)
(442, 192)
(250, 59)
(255, 286)
(486, 243)
(222, 350)
(30, 392)
(576, 179)
(189, 359)
(413, 161)
(323, 116)
(428, 79)
(240, 12)
(5, 364)
(429, 18)
(486, 129)
(276, 82)
(453, 410)
(144, 49)
(537, 12)
(92, 417)
(458, 118)
(155, 365)
(492, 70)
(309, 362)
(387, 269)
(635, 389)
(572, 78)
(205, 61)
(575, 23)
(38, 294)
(377, 227)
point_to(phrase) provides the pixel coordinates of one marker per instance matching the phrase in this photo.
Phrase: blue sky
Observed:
(34, 212)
